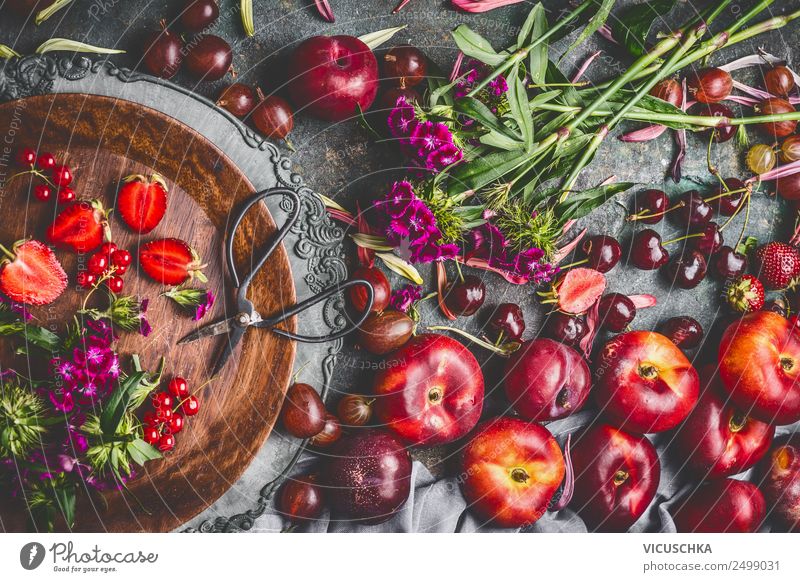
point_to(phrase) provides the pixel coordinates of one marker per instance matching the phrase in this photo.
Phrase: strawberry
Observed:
(577, 291)
(777, 264)
(745, 294)
(81, 227)
(142, 203)
(170, 261)
(31, 273)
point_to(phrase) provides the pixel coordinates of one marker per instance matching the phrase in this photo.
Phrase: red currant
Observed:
(164, 414)
(151, 435)
(115, 284)
(149, 419)
(86, 279)
(163, 400)
(107, 249)
(191, 406)
(166, 443)
(177, 423)
(121, 258)
(62, 176)
(66, 195)
(178, 388)
(97, 264)
(120, 270)
(43, 192)
(46, 161)
(26, 158)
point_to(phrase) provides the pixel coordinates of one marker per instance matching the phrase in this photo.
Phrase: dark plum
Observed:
(684, 331)
(385, 332)
(197, 15)
(209, 58)
(603, 252)
(616, 312)
(303, 413)
(301, 499)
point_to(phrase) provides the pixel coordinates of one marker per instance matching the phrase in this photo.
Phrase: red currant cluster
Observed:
(56, 177)
(107, 264)
(169, 413)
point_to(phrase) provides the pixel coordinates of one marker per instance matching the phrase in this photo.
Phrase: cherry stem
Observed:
(575, 264)
(725, 194)
(460, 274)
(680, 238)
(647, 214)
(746, 221)
(736, 212)
(504, 350)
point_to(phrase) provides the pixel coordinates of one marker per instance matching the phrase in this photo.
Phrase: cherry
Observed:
(646, 251)
(190, 406)
(710, 241)
(650, 206)
(301, 499)
(121, 258)
(162, 400)
(381, 290)
(728, 204)
(43, 192)
(331, 432)
(616, 312)
(176, 423)
(354, 410)
(709, 85)
(405, 66)
(26, 158)
(239, 99)
(46, 161)
(779, 81)
(86, 279)
(151, 434)
(566, 328)
(97, 264)
(724, 132)
(115, 284)
(66, 195)
(166, 443)
(163, 54)
(62, 175)
(149, 419)
(687, 270)
(198, 15)
(603, 252)
(274, 117)
(695, 210)
(728, 263)
(209, 59)
(465, 296)
(388, 99)
(508, 320)
(685, 332)
(178, 387)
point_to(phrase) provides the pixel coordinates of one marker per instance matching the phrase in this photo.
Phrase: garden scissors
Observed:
(246, 315)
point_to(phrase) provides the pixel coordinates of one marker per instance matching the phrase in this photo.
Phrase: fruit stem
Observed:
(737, 422)
(460, 274)
(645, 214)
(505, 349)
(519, 475)
(7, 253)
(725, 194)
(680, 238)
(620, 477)
(575, 264)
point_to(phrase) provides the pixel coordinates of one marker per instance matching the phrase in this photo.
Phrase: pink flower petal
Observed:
(345, 217)
(569, 478)
(644, 134)
(643, 301)
(325, 10)
(400, 6)
(582, 69)
(456, 66)
(441, 284)
(483, 264)
(565, 251)
(605, 32)
(779, 172)
(592, 317)
(477, 6)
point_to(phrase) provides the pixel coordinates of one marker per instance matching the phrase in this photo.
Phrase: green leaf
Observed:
(595, 22)
(537, 58)
(246, 9)
(634, 23)
(482, 171)
(579, 204)
(518, 103)
(474, 45)
(500, 141)
(50, 10)
(375, 39)
(476, 110)
(65, 495)
(73, 46)
(6, 52)
(117, 403)
(141, 452)
(569, 95)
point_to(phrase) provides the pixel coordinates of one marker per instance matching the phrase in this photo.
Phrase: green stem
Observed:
(680, 238)
(7, 253)
(575, 264)
(522, 53)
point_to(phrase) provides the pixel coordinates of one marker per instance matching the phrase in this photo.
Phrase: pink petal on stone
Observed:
(325, 10)
(456, 67)
(643, 301)
(644, 134)
(564, 251)
(477, 6)
(483, 264)
(582, 69)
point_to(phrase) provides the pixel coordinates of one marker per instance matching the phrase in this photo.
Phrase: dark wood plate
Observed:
(104, 140)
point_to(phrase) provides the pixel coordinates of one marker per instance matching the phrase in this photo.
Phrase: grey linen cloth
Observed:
(436, 505)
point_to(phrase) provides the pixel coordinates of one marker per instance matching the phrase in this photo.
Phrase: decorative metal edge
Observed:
(318, 238)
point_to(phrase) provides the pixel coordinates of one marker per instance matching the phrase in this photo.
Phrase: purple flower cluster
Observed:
(18, 308)
(487, 242)
(403, 299)
(429, 145)
(411, 226)
(204, 306)
(89, 373)
(492, 94)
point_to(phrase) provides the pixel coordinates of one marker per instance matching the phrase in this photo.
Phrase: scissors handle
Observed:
(276, 240)
(305, 304)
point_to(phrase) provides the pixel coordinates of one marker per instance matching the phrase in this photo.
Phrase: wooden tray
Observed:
(104, 140)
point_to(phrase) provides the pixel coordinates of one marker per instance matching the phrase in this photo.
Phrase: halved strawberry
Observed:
(170, 261)
(30, 273)
(577, 290)
(142, 202)
(81, 227)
